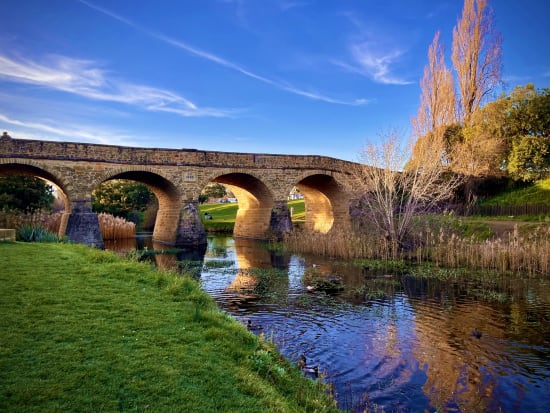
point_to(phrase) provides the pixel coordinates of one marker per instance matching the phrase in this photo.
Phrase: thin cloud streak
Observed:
(76, 133)
(225, 63)
(80, 77)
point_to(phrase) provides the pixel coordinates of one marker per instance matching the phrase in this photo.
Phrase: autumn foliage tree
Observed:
(437, 104)
(455, 120)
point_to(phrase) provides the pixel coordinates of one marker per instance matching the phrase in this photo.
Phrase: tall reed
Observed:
(338, 243)
(515, 253)
(112, 227)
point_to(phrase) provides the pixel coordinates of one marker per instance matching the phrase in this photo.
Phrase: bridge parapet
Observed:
(72, 151)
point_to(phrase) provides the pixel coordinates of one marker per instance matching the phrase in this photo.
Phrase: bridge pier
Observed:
(280, 221)
(190, 228)
(82, 224)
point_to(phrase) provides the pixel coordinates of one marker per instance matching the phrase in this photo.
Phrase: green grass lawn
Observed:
(298, 208)
(536, 194)
(84, 330)
(223, 215)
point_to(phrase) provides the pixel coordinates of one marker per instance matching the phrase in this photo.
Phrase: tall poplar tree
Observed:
(476, 56)
(437, 105)
(438, 100)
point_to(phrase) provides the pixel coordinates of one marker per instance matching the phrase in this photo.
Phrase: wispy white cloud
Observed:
(377, 64)
(51, 131)
(84, 78)
(372, 53)
(283, 85)
(286, 5)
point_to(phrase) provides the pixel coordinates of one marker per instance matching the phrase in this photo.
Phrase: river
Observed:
(388, 342)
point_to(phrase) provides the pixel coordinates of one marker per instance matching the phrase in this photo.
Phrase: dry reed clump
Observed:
(338, 243)
(520, 254)
(528, 255)
(112, 227)
(44, 219)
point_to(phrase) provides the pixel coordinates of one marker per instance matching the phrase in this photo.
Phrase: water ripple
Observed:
(421, 347)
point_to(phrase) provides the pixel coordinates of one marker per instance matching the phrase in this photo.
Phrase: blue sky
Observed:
(270, 76)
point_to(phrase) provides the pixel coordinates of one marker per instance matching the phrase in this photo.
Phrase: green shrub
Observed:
(29, 233)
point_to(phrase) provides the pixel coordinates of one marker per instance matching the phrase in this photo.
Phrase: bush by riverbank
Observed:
(84, 330)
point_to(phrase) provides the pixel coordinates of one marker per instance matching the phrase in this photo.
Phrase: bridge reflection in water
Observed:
(408, 345)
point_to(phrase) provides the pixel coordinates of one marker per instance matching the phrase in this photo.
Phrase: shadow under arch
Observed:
(8, 169)
(168, 197)
(255, 204)
(326, 203)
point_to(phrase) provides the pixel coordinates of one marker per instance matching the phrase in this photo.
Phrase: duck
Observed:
(476, 333)
(302, 365)
(253, 327)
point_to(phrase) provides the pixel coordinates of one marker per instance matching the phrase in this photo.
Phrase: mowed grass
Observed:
(223, 215)
(536, 194)
(84, 330)
(298, 209)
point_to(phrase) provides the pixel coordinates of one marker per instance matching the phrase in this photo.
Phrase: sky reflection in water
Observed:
(421, 346)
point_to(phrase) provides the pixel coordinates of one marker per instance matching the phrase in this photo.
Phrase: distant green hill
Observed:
(536, 194)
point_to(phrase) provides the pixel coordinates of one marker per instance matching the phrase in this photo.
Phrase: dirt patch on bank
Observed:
(503, 228)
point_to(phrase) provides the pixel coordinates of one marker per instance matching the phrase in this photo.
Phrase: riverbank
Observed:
(83, 330)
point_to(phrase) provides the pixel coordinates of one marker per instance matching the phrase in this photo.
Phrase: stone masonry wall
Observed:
(178, 176)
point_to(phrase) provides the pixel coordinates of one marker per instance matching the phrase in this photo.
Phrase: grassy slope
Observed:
(83, 330)
(538, 193)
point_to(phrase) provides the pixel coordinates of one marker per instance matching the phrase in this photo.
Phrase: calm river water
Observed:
(389, 342)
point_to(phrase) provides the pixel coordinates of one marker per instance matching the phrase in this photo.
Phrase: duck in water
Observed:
(302, 365)
(252, 327)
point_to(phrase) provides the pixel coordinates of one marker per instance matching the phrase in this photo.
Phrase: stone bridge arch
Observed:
(255, 203)
(57, 178)
(326, 202)
(167, 194)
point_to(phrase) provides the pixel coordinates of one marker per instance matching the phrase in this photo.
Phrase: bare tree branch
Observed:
(391, 196)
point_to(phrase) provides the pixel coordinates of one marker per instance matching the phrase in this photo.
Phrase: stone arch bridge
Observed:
(261, 183)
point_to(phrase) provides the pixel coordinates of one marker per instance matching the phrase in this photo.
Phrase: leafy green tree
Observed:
(506, 136)
(212, 190)
(25, 194)
(529, 129)
(530, 158)
(530, 113)
(121, 197)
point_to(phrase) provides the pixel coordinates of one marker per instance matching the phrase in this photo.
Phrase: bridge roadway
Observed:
(261, 183)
